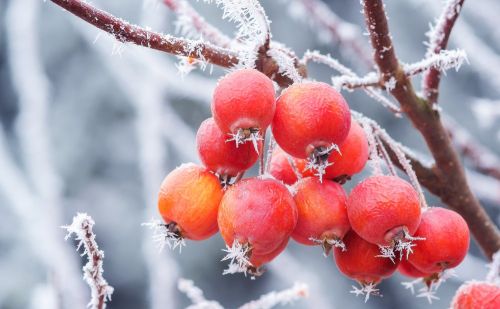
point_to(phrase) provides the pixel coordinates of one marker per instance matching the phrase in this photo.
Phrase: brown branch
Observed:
(439, 37)
(455, 191)
(125, 32)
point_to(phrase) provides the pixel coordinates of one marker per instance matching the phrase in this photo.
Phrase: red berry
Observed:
(243, 99)
(259, 260)
(259, 213)
(446, 241)
(189, 198)
(480, 295)
(382, 209)
(220, 156)
(281, 169)
(322, 212)
(352, 157)
(360, 261)
(406, 269)
(310, 116)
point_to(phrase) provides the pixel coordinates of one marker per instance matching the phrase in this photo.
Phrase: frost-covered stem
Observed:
(92, 271)
(480, 157)
(455, 191)
(298, 291)
(126, 32)
(444, 60)
(189, 20)
(438, 40)
(195, 294)
(315, 56)
(345, 33)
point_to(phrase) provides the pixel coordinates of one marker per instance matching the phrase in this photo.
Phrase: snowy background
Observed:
(90, 125)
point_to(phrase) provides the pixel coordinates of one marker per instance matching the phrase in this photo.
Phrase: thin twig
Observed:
(92, 271)
(438, 40)
(126, 32)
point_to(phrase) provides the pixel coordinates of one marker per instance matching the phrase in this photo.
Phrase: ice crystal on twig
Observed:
(445, 60)
(166, 235)
(237, 255)
(285, 59)
(318, 160)
(285, 297)
(430, 285)
(367, 290)
(101, 291)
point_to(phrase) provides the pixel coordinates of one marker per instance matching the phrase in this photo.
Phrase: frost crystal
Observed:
(267, 301)
(166, 235)
(246, 135)
(195, 294)
(430, 285)
(237, 255)
(367, 290)
(328, 244)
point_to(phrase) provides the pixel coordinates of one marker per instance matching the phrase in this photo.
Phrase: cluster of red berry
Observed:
(319, 149)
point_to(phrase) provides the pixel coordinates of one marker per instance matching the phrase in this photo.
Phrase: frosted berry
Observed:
(310, 120)
(473, 295)
(220, 156)
(243, 104)
(384, 209)
(260, 214)
(360, 261)
(446, 241)
(281, 168)
(351, 158)
(189, 201)
(322, 213)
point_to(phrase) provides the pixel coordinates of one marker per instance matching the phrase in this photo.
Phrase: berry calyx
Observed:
(351, 157)
(259, 214)
(220, 156)
(243, 105)
(281, 167)
(322, 213)
(477, 295)
(446, 241)
(310, 121)
(384, 210)
(189, 200)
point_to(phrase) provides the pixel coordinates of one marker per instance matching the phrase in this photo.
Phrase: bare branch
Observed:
(92, 271)
(191, 23)
(438, 40)
(126, 32)
(455, 191)
(298, 291)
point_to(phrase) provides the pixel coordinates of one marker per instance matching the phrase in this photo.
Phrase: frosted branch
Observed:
(338, 82)
(100, 290)
(285, 297)
(442, 61)
(438, 40)
(195, 294)
(126, 32)
(191, 24)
